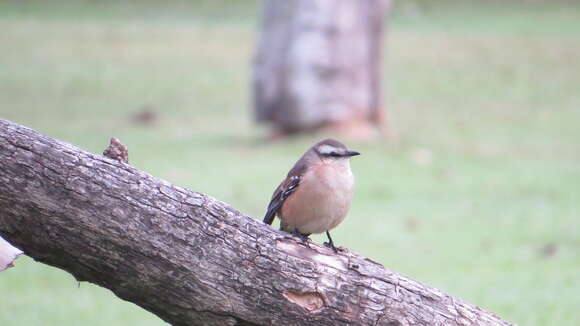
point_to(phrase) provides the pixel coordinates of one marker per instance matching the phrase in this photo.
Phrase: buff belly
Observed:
(320, 203)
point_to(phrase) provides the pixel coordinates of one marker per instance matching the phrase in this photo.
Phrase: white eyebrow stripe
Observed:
(326, 149)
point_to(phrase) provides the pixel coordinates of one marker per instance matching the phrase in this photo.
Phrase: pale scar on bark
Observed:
(324, 256)
(311, 301)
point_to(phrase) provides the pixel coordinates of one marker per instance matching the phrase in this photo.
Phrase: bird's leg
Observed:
(330, 243)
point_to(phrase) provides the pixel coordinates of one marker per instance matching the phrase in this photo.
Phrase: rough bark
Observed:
(318, 63)
(189, 258)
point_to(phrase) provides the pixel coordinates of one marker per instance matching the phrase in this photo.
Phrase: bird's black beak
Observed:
(352, 153)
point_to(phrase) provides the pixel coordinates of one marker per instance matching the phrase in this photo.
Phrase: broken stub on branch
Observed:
(117, 151)
(8, 254)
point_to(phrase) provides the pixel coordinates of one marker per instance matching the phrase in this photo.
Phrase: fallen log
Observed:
(187, 257)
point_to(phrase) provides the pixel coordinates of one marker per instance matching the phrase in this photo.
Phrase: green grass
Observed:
(479, 175)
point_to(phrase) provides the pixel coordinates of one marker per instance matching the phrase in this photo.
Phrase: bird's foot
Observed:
(331, 245)
(303, 237)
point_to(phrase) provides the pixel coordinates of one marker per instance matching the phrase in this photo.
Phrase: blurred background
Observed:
(471, 184)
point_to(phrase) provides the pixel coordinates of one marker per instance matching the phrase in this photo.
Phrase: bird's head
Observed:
(331, 149)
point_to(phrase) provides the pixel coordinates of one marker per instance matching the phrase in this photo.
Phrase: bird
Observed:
(317, 193)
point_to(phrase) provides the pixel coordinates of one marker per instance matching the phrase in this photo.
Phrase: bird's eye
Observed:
(334, 154)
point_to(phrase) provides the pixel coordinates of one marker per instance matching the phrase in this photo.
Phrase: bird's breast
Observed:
(322, 200)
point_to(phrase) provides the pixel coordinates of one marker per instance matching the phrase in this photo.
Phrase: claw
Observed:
(331, 245)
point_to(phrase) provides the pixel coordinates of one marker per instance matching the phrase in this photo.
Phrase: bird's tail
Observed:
(269, 218)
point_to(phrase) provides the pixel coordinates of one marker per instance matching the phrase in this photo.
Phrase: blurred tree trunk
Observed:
(318, 64)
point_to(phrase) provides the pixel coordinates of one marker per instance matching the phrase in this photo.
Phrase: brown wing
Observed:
(285, 189)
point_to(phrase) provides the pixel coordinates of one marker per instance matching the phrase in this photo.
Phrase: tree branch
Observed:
(189, 258)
